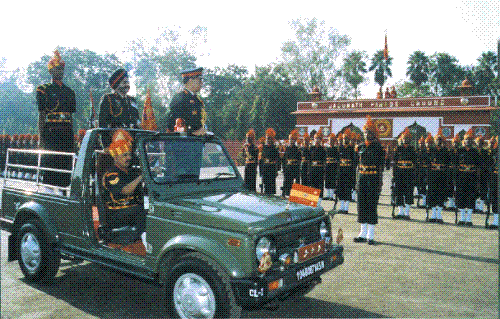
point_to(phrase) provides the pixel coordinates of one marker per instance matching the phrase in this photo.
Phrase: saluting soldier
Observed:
(346, 180)
(318, 159)
(404, 175)
(484, 172)
(440, 160)
(292, 157)
(56, 104)
(467, 179)
(188, 105)
(117, 109)
(305, 160)
(332, 162)
(251, 154)
(371, 167)
(269, 162)
(494, 181)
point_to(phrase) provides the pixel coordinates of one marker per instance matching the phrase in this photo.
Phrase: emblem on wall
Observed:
(480, 131)
(384, 127)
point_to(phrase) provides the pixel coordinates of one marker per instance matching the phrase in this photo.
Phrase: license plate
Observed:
(308, 271)
(311, 250)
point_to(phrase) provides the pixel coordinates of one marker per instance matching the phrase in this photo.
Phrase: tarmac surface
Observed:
(415, 270)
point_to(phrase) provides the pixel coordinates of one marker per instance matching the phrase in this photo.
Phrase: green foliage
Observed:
(354, 68)
(310, 58)
(18, 113)
(446, 74)
(410, 89)
(381, 67)
(418, 68)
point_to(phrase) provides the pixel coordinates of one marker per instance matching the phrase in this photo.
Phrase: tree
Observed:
(484, 74)
(353, 69)
(409, 89)
(381, 67)
(18, 114)
(418, 68)
(265, 100)
(310, 58)
(446, 74)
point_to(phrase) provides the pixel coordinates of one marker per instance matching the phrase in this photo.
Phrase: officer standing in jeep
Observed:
(188, 105)
(56, 103)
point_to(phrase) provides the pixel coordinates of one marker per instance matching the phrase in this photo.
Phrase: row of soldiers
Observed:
(464, 172)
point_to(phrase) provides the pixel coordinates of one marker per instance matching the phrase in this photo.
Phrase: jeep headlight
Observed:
(263, 246)
(323, 230)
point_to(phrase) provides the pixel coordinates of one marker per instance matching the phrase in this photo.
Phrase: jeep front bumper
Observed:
(253, 292)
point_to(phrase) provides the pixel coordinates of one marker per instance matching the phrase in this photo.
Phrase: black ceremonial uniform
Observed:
(452, 173)
(291, 169)
(346, 174)
(189, 107)
(404, 174)
(484, 172)
(440, 160)
(251, 154)
(122, 210)
(317, 172)
(269, 168)
(371, 166)
(118, 112)
(305, 165)
(467, 177)
(494, 180)
(332, 162)
(56, 103)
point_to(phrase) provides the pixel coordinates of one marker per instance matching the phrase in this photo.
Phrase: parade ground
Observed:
(415, 270)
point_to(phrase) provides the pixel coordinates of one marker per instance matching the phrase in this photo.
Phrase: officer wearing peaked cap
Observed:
(188, 105)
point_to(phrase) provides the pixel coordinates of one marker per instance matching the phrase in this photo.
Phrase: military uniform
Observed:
(404, 176)
(305, 165)
(291, 170)
(422, 170)
(346, 172)
(493, 189)
(371, 166)
(440, 160)
(332, 162)
(269, 168)
(122, 210)
(484, 175)
(56, 103)
(467, 182)
(251, 154)
(189, 107)
(317, 172)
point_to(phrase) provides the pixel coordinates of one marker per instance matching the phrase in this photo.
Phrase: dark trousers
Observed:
(291, 173)
(269, 178)
(466, 190)
(251, 176)
(437, 193)
(345, 184)
(317, 178)
(57, 138)
(304, 174)
(494, 193)
(368, 195)
(131, 216)
(403, 187)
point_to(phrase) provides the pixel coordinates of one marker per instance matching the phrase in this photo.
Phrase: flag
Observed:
(148, 116)
(92, 114)
(386, 49)
(340, 236)
(304, 195)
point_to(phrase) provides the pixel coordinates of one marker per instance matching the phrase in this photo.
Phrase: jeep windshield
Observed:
(187, 160)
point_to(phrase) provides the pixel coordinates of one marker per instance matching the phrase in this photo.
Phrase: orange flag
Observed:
(148, 116)
(304, 195)
(386, 49)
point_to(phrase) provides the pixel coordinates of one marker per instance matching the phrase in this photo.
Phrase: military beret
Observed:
(190, 73)
(116, 77)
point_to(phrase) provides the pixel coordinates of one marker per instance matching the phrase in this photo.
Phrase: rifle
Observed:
(456, 206)
(427, 203)
(393, 198)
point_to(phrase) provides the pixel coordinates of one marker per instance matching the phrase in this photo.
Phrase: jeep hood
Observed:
(242, 211)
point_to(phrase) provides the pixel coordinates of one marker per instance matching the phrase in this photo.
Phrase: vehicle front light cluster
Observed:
(323, 230)
(264, 245)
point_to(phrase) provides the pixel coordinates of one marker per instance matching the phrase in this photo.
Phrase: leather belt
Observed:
(292, 161)
(58, 117)
(438, 167)
(317, 163)
(467, 168)
(250, 162)
(267, 161)
(405, 164)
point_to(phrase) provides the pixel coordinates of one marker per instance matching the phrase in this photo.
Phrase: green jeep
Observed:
(214, 246)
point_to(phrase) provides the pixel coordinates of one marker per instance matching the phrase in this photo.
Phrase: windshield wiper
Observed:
(218, 175)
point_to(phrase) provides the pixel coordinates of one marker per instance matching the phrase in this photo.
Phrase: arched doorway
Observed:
(416, 132)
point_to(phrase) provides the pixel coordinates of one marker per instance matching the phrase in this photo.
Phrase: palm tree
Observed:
(418, 69)
(484, 73)
(381, 67)
(353, 69)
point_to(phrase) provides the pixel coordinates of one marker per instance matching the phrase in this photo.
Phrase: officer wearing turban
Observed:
(318, 159)
(346, 175)
(188, 105)
(291, 168)
(332, 161)
(371, 167)
(56, 104)
(440, 160)
(484, 172)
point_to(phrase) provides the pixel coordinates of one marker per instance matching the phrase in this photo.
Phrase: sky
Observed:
(251, 33)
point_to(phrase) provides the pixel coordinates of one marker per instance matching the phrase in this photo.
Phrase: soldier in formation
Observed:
(269, 158)
(332, 161)
(345, 171)
(305, 161)
(292, 158)
(440, 160)
(404, 175)
(318, 159)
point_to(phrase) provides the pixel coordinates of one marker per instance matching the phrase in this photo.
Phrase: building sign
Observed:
(395, 103)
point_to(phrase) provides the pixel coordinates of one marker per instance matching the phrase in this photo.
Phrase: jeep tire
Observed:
(197, 286)
(37, 259)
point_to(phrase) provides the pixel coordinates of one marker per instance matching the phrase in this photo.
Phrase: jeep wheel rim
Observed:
(193, 297)
(30, 252)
